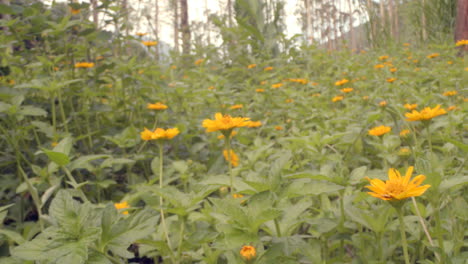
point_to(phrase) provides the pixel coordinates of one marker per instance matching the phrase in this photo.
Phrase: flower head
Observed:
(379, 131)
(461, 42)
(259, 90)
(404, 132)
(383, 103)
(450, 93)
(122, 205)
(426, 114)
(84, 64)
(224, 123)
(250, 66)
(278, 128)
(231, 157)
(341, 82)
(410, 106)
(248, 252)
(337, 98)
(276, 85)
(157, 106)
(141, 34)
(347, 90)
(379, 66)
(390, 80)
(75, 11)
(149, 43)
(237, 106)
(433, 55)
(396, 187)
(199, 61)
(159, 133)
(269, 68)
(383, 57)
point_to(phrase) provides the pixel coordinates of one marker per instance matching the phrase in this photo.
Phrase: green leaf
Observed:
(119, 232)
(452, 182)
(32, 111)
(58, 157)
(13, 236)
(311, 187)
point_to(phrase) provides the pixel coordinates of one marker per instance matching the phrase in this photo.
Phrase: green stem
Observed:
(429, 138)
(403, 234)
(74, 183)
(161, 201)
(277, 227)
(228, 149)
(421, 220)
(181, 238)
(440, 238)
(34, 196)
(62, 111)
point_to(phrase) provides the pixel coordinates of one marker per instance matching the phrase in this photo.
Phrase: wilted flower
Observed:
(426, 114)
(379, 131)
(156, 106)
(396, 187)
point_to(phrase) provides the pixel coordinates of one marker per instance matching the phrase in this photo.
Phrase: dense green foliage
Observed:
(71, 148)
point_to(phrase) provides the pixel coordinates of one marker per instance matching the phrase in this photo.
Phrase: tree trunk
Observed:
(95, 13)
(391, 18)
(229, 9)
(372, 22)
(352, 44)
(423, 20)
(461, 24)
(307, 21)
(184, 23)
(382, 16)
(176, 26)
(397, 21)
(156, 27)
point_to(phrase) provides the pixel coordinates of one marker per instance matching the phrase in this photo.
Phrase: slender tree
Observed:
(461, 24)
(176, 25)
(307, 21)
(184, 24)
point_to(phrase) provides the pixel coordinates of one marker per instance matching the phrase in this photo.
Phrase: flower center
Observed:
(394, 188)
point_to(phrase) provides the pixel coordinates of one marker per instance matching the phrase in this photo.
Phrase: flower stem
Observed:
(161, 201)
(403, 234)
(440, 238)
(421, 220)
(231, 175)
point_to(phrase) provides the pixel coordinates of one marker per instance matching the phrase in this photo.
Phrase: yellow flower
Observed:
(366, 97)
(379, 66)
(410, 106)
(269, 68)
(393, 69)
(237, 195)
(141, 34)
(390, 80)
(157, 106)
(404, 151)
(248, 252)
(11, 82)
(461, 42)
(341, 82)
(337, 98)
(406, 44)
(433, 55)
(122, 205)
(396, 187)
(404, 132)
(289, 100)
(259, 90)
(276, 85)
(233, 158)
(452, 108)
(199, 61)
(237, 106)
(417, 69)
(449, 62)
(450, 93)
(315, 83)
(278, 128)
(379, 131)
(263, 82)
(426, 114)
(383, 57)
(149, 43)
(224, 123)
(250, 66)
(316, 95)
(383, 103)
(75, 11)
(173, 67)
(84, 64)
(54, 144)
(211, 88)
(347, 90)
(254, 123)
(301, 81)
(466, 69)
(159, 133)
